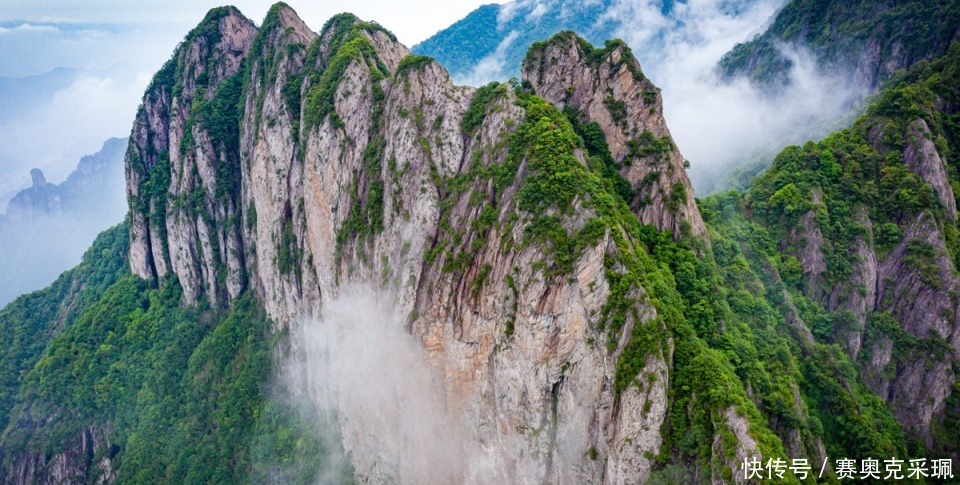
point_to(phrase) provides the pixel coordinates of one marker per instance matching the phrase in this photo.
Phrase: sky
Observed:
(115, 47)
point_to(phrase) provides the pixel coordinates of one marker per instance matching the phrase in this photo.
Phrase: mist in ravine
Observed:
(360, 368)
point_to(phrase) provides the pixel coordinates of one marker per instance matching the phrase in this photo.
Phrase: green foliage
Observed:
(596, 144)
(594, 57)
(838, 31)
(617, 109)
(648, 145)
(851, 172)
(31, 321)
(220, 117)
(181, 391)
(842, 413)
(348, 45)
(412, 63)
(480, 103)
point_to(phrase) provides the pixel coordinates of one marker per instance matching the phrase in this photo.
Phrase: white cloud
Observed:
(492, 66)
(74, 122)
(358, 363)
(717, 124)
(28, 28)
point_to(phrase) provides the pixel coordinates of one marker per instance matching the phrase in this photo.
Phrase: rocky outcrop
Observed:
(607, 87)
(914, 284)
(84, 458)
(40, 200)
(182, 157)
(922, 157)
(897, 313)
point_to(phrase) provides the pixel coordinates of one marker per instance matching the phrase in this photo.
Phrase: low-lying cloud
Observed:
(359, 366)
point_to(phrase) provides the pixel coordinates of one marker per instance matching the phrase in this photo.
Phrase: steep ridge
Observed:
(182, 161)
(866, 220)
(608, 88)
(868, 40)
(541, 243)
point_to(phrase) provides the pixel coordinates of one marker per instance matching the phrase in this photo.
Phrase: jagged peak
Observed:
(614, 51)
(36, 176)
(223, 28)
(342, 24)
(215, 24)
(606, 86)
(280, 19)
(344, 28)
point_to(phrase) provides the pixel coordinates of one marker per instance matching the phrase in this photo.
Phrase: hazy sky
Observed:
(117, 45)
(89, 30)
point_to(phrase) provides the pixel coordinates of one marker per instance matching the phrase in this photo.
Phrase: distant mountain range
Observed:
(17, 96)
(47, 227)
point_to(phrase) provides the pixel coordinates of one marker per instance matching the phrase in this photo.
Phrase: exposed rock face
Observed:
(918, 297)
(85, 458)
(40, 200)
(177, 171)
(346, 152)
(923, 158)
(915, 283)
(608, 87)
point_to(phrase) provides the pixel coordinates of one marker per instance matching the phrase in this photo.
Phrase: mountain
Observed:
(862, 230)
(18, 96)
(491, 41)
(506, 31)
(47, 227)
(867, 40)
(541, 297)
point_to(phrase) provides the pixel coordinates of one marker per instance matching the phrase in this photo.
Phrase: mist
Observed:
(358, 366)
(46, 228)
(717, 124)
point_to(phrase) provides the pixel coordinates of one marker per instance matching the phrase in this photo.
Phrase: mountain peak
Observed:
(606, 86)
(37, 176)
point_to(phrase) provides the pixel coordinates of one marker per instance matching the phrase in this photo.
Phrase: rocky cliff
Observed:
(868, 41)
(481, 210)
(870, 216)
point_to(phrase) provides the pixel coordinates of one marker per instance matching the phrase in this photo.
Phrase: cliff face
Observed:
(869, 41)
(607, 87)
(356, 163)
(183, 150)
(872, 224)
